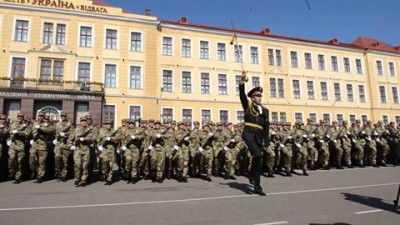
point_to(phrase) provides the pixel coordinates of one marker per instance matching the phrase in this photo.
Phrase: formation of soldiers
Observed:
(156, 151)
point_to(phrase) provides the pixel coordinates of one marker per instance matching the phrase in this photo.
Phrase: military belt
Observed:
(253, 125)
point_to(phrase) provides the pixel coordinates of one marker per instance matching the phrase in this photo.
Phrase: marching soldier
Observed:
(107, 142)
(285, 138)
(4, 132)
(269, 152)
(311, 148)
(346, 144)
(370, 144)
(145, 156)
(394, 143)
(157, 152)
(336, 145)
(93, 147)
(61, 148)
(42, 131)
(84, 139)
(219, 143)
(358, 140)
(230, 151)
(382, 143)
(300, 146)
(181, 147)
(323, 137)
(16, 151)
(194, 145)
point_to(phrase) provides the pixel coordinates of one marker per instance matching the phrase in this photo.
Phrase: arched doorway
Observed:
(51, 111)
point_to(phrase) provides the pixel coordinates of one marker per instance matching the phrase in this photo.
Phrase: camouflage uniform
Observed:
(61, 147)
(346, 144)
(219, 143)
(206, 138)
(358, 134)
(335, 144)
(182, 152)
(16, 152)
(4, 133)
(107, 142)
(269, 154)
(382, 143)
(323, 137)
(194, 145)
(311, 147)
(300, 147)
(230, 152)
(132, 138)
(370, 145)
(157, 153)
(285, 138)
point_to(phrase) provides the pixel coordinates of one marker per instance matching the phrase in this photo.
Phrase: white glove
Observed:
(73, 148)
(150, 147)
(363, 132)
(158, 135)
(9, 143)
(186, 139)
(55, 141)
(201, 150)
(298, 145)
(321, 141)
(124, 148)
(327, 136)
(386, 131)
(133, 137)
(334, 141)
(210, 134)
(118, 151)
(348, 133)
(378, 140)
(304, 135)
(100, 148)
(353, 140)
(108, 138)
(289, 137)
(37, 126)
(1, 126)
(232, 140)
(32, 142)
(226, 148)
(14, 131)
(345, 135)
(62, 134)
(282, 146)
(312, 135)
(176, 147)
(273, 132)
(81, 139)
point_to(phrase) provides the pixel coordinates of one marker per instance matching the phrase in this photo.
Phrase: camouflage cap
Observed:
(358, 121)
(173, 122)
(107, 122)
(3, 117)
(83, 118)
(63, 114)
(41, 114)
(157, 122)
(196, 123)
(88, 116)
(130, 121)
(151, 120)
(321, 121)
(180, 123)
(345, 122)
(334, 122)
(21, 115)
(220, 124)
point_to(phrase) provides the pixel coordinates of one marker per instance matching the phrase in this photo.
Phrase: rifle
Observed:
(12, 138)
(112, 135)
(210, 139)
(180, 143)
(64, 131)
(84, 134)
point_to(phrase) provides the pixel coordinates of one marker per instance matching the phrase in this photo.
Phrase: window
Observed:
(294, 62)
(272, 87)
(395, 95)
(298, 117)
(135, 77)
(84, 72)
(109, 112)
(186, 48)
(167, 46)
(238, 79)
(308, 60)
(205, 83)
(281, 91)
(187, 115)
(224, 116)
(310, 89)
(186, 82)
(379, 68)
(352, 119)
(135, 112)
(271, 58)
(254, 55)
(397, 118)
(321, 62)
(204, 50)
(334, 62)
(350, 95)
(167, 115)
(221, 52)
(282, 117)
(110, 76)
(364, 119)
(48, 33)
(238, 53)
(382, 94)
(222, 84)
(278, 57)
(385, 119)
(136, 42)
(361, 92)
(274, 117)
(205, 116)
(167, 80)
(339, 118)
(255, 82)
(359, 66)
(240, 116)
(324, 91)
(327, 118)
(296, 89)
(111, 39)
(85, 37)
(391, 69)
(338, 94)
(313, 117)
(346, 62)
(60, 35)
(51, 70)
(21, 31)
(17, 72)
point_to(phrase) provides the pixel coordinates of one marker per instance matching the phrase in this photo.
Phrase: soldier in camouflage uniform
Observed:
(120, 157)
(169, 138)
(346, 144)
(219, 143)
(230, 151)
(394, 143)
(145, 156)
(323, 137)
(269, 152)
(194, 145)
(18, 133)
(107, 142)
(131, 142)
(335, 144)
(42, 132)
(382, 143)
(300, 139)
(157, 152)
(206, 138)
(370, 144)
(358, 135)
(85, 137)
(61, 148)
(182, 137)
(4, 132)
(93, 163)
(285, 138)
(311, 147)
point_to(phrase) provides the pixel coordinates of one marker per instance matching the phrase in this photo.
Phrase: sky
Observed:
(320, 20)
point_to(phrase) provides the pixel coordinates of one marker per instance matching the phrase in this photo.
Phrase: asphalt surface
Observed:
(352, 196)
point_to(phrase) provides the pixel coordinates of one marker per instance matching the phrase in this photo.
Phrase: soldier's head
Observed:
(220, 126)
(89, 119)
(181, 125)
(196, 124)
(157, 124)
(334, 123)
(41, 116)
(131, 123)
(20, 117)
(107, 124)
(173, 124)
(322, 122)
(144, 123)
(3, 119)
(358, 122)
(309, 121)
(255, 95)
(83, 121)
(287, 125)
(206, 127)
(63, 116)
(151, 123)
(229, 125)
(345, 123)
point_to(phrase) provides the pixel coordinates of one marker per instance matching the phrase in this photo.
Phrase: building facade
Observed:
(89, 57)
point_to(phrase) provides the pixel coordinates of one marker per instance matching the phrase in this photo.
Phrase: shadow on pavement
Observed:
(246, 188)
(373, 202)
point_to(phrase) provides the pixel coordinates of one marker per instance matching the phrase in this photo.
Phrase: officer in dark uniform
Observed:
(256, 130)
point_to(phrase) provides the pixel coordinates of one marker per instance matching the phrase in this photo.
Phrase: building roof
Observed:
(370, 43)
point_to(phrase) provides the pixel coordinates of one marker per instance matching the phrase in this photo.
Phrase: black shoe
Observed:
(350, 166)
(208, 179)
(184, 179)
(159, 180)
(17, 181)
(305, 173)
(251, 180)
(107, 183)
(288, 174)
(33, 175)
(83, 184)
(259, 191)
(76, 183)
(232, 178)
(270, 175)
(39, 180)
(63, 179)
(339, 167)
(375, 165)
(101, 178)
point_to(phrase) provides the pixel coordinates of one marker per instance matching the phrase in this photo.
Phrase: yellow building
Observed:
(88, 57)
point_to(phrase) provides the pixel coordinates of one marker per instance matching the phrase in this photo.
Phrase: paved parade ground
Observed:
(352, 196)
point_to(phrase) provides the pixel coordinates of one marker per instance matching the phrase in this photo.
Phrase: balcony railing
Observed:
(56, 85)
